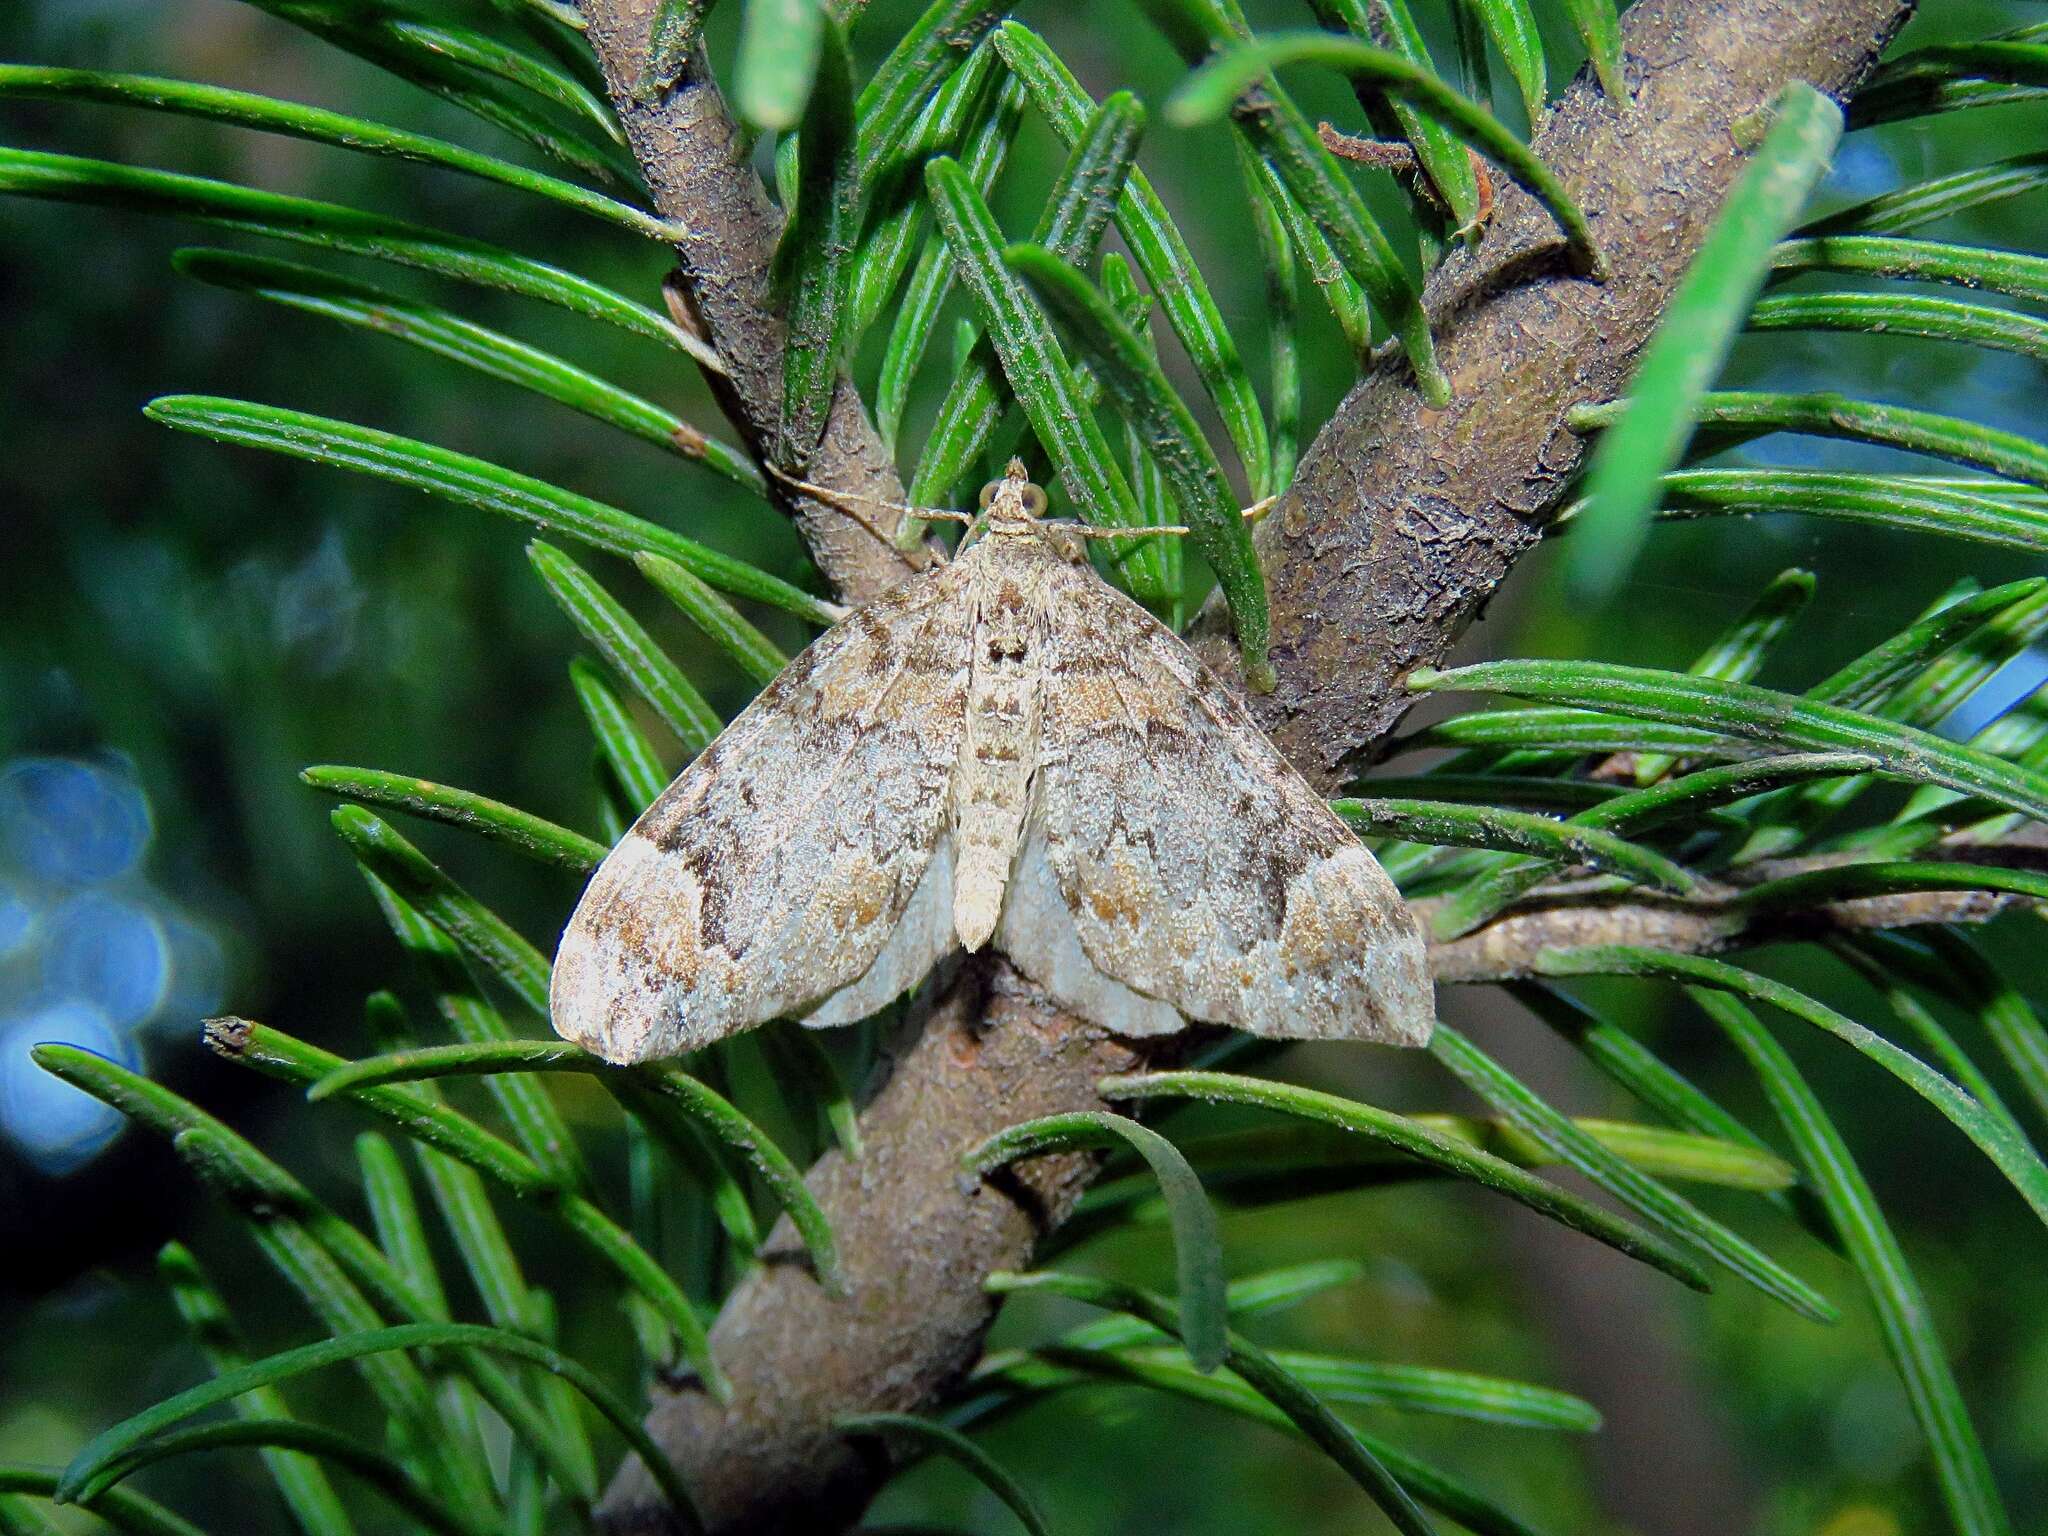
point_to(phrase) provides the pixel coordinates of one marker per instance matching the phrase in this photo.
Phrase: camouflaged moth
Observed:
(1005, 751)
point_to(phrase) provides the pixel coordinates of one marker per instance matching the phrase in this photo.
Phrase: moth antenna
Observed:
(1250, 514)
(846, 501)
(843, 501)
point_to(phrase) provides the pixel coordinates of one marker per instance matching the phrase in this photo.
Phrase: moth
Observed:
(1003, 752)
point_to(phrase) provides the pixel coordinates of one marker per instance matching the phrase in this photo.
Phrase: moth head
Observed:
(1013, 500)
(1013, 508)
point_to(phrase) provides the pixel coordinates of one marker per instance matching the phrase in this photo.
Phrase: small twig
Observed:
(1569, 915)
(1508, 948)
(1380, 154)
(1392, 155)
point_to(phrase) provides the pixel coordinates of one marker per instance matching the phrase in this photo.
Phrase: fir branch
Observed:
(1402, 520)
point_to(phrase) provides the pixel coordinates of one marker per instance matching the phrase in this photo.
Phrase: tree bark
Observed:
(916, 1240)
(695, 159)
(1400, 524)
(1403, 520)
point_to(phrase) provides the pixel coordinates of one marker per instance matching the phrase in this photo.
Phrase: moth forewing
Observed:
(1197, 866)
(1004, 750)
(776, 869)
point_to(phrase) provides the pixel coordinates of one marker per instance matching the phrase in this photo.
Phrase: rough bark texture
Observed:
(916, 1238)
(1402, 520)
(1400, 524)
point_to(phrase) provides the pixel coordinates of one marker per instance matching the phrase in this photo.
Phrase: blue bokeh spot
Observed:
(56, 1126)
(101, 950)
(17, 920)
(91, 953)
(71, 823)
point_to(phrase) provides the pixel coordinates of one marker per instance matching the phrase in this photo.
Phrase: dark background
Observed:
(184, 626)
